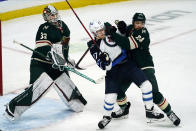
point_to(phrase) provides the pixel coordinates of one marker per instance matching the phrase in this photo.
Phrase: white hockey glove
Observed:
(71, 63)
(57, 57)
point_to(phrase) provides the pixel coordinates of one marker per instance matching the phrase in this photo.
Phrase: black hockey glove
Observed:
(109, 29)
(105, 59)
(122, 26)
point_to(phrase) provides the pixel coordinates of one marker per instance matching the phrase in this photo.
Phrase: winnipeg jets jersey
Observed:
(111, 48)
(116, 48)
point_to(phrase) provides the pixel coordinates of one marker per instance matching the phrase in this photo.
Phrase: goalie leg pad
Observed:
(30, 96)
(69, 94)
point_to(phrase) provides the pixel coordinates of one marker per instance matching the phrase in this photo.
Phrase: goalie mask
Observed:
(50, 14)
(95, 26)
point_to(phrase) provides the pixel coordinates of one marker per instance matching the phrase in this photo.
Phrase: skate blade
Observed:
(122, 117)
(151, 121)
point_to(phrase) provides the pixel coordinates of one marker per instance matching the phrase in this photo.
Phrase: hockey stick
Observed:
(86, 32)
(66, 67)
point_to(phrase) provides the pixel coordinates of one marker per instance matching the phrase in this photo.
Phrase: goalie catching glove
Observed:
(71, 63)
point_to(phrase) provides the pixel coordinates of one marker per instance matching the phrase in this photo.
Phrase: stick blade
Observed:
(100, 80)
(79, 68)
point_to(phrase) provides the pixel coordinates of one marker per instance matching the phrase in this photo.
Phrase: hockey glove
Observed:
(109, 29)
(122, 26)
(71, 63)
(57, 57)
(105, 59)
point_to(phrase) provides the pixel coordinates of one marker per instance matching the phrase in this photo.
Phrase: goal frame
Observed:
(1, 72)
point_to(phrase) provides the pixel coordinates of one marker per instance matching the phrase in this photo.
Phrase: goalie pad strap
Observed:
(62, 93)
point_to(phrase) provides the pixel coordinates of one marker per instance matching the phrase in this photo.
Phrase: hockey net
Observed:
(1, 73)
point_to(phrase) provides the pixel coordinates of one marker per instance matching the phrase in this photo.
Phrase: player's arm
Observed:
(65, 42)
(102, 58)
(122, 27)
(122, 41)
(139, 39)
(66, 34)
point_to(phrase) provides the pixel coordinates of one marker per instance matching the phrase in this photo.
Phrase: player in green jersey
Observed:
(47, 70)
(139, 51)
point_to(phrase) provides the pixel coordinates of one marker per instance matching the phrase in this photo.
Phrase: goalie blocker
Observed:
(65, 88)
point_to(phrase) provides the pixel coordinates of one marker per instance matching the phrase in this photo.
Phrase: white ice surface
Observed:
(172, 30)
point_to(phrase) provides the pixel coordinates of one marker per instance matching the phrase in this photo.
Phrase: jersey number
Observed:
(43, 36)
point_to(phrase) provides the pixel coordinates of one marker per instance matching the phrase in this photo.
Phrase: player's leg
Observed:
(30, 96)
(69, 93)
(64, 86)
(159, 99)
(111, 89)
(123, 111)
(139, 78)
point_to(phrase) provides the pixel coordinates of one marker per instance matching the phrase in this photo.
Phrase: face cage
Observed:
(50, 19)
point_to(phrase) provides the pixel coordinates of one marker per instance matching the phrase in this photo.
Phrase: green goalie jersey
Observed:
(139, 43)
(49, 34)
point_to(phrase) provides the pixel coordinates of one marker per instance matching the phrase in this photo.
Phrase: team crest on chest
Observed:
(139, 38)
(45, 27)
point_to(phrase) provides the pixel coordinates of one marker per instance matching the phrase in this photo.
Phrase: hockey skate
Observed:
(174, 118)
(122, 114)
(153, 116)
(104, 121)
(8, 114)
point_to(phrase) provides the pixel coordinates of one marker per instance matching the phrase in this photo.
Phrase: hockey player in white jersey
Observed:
(110, 54)
(52, 40)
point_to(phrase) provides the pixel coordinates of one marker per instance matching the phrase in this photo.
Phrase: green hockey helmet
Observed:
(139, 17)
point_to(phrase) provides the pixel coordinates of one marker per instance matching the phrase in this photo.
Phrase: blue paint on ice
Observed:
(43, 113)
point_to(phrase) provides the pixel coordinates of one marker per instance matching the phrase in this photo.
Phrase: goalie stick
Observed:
(66, 67)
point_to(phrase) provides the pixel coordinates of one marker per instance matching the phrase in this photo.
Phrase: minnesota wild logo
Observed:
(139, 38)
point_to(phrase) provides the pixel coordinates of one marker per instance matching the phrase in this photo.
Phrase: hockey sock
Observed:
(146, 89)
(122, 102)
(165, 106)
(109, 102)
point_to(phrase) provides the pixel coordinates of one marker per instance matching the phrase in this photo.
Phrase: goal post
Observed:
(1, 72)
